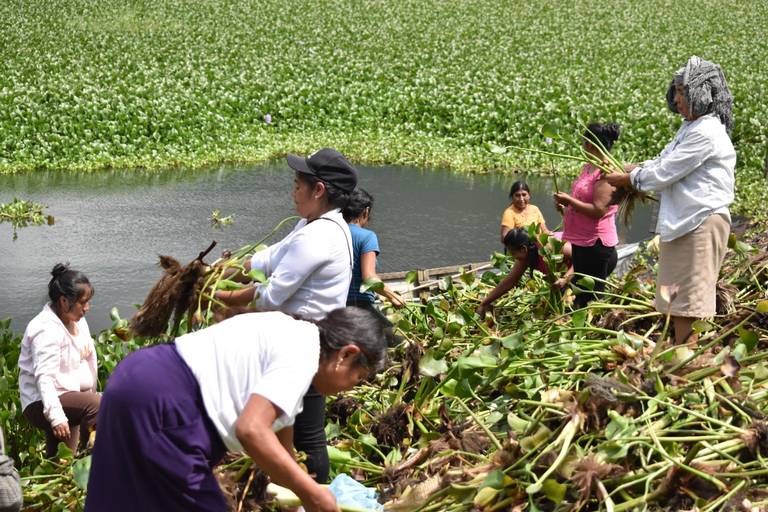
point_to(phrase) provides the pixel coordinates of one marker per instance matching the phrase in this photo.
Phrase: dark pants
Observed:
(597, 261)
(155, 447)
(309, 435)
(81, 408)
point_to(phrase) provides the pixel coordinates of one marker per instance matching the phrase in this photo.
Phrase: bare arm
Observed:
(504, 286)
(368, 271)
(601, 199)
(254, 431)
(504, 231)
(236, 298)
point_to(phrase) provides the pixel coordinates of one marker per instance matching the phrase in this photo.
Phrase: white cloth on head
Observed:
(267, 354)
(309, 270)
(693, 175)
(51, 363)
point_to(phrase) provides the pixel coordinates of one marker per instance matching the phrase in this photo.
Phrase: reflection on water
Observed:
(112, 225)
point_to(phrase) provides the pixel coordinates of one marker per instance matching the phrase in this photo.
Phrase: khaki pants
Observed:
(81, 409)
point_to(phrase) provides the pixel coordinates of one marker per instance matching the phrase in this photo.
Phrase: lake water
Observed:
(112, 225)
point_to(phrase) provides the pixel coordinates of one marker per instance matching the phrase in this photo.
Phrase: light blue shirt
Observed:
(693, 177)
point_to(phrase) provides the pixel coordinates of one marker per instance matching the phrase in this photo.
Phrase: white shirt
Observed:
(267, 354)
(309, 270)
(51, 363)
(693, 175)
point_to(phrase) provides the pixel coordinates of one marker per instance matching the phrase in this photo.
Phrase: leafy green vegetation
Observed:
(185, 83)
(21, 213)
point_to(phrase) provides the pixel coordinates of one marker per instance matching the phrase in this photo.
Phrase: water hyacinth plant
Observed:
(21, 213)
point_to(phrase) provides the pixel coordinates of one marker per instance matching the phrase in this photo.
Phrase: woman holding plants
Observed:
(589, 217)
(365, 245)
(170, 412)
(694, 179)
(527, 257)
(57, 364)
(309, 272)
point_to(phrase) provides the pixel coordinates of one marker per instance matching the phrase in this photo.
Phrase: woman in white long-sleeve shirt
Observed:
(309, 272)
(57, 364)
(694, 179)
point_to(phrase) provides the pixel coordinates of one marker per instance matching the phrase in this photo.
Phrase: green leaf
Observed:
(474, 362)
(373, 285)
(554, 490)
(430, 366)
(114, 314)
(257, 276)
(229, 285)
(81, 469)
(411, 277)
(586, 282)
(494, 479)
(513, 341)
(701, 326)
(749, 338)
(762, 307)
(550, 130)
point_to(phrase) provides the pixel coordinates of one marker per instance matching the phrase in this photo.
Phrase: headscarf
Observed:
(705, 89)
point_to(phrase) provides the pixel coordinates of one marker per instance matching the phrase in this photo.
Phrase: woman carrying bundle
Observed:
(694, 179)
(589, 215)
(170, 412)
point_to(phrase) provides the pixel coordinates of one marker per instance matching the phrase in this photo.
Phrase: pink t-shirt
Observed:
(583, 230)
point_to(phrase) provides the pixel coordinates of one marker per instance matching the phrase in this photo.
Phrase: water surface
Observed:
(112, 225)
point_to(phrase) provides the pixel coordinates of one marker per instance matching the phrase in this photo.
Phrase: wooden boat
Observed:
(428, 279)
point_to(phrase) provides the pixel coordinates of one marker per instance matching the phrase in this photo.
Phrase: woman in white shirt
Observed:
(170, 412)
(309, 272)
(57, 364)
(694, 178)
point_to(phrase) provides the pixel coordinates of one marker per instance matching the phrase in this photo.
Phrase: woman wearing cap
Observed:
(309, 272)
(694, 179)
(170, 412)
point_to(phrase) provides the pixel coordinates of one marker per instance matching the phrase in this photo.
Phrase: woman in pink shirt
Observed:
(57, 364)
(589, 217)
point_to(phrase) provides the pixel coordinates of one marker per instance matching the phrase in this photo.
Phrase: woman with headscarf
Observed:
(694, 179)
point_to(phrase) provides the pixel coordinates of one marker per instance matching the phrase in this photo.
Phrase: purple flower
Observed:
(267, 118)
(548, 140)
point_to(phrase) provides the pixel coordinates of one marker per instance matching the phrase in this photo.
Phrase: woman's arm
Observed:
(368, 271)
(601, 200)
(254, 431)
(46, 361)
(503, 287)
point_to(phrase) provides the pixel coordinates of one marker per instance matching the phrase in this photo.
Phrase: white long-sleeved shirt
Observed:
(51, 363)
(309, 270)
(693, 176)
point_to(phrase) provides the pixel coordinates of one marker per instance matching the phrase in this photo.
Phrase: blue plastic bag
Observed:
(352, 493)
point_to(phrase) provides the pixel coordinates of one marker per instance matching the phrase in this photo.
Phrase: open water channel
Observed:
(112, 225)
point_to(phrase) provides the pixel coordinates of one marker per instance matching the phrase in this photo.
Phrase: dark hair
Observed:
(352, 325)
(602, 135)
(518, 185)
(518, 238)
(337, 197)
(359, 200)
(68, 283)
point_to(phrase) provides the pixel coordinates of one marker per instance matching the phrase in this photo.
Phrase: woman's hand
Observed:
(618, 179)
(561, 283)
(396, 300)
(562, 199)
(61, 431)
(321, 500)
(483, 309)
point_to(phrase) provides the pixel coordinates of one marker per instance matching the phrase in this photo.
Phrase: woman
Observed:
(309, 272)
(57, 364)
(694, 179)
(527, 257)
(365, 245)
(590, 218)
(170, 412)
(521, 213)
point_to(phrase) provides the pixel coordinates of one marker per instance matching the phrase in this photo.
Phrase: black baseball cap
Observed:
(327, 165)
